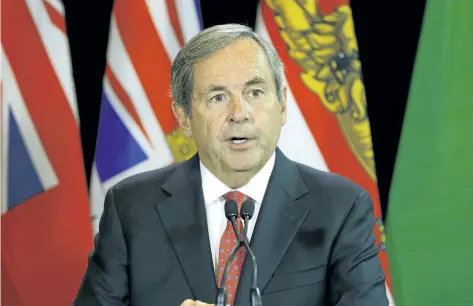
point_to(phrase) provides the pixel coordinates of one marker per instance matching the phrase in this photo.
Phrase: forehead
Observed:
(233, 65)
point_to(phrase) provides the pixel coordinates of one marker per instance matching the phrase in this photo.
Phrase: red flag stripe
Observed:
(174, 19)
(124, 99)
(47, 238)
(56, 17)
(328, 6)
(149, 57)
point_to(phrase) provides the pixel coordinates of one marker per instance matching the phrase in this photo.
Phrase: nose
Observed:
(239, 110)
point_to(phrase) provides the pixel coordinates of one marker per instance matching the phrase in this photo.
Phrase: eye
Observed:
(256, 93)
(218, 98)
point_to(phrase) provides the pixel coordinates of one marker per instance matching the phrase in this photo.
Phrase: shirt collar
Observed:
(213, 188)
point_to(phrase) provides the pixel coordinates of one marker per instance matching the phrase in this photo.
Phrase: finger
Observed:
(188, 302)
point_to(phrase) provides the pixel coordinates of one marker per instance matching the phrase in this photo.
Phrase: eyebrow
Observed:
(214, 87)
(253, 81)
(256, 81)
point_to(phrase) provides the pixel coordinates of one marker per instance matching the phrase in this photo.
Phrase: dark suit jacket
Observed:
(313, 241)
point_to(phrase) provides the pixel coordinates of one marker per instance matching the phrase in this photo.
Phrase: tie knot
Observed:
(236, 196)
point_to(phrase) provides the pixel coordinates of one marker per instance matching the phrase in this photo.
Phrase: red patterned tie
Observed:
(227, 243)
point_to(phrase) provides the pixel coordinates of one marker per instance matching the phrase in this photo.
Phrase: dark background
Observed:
(387, 33)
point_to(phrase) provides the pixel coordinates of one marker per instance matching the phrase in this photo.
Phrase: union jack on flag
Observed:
(137, 129)
(46, 232)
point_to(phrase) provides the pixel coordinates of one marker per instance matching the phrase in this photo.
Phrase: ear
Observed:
(284, 106)
(183, 119)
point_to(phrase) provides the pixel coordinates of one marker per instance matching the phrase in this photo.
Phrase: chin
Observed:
(243, 161)
(242, 169)
(243, 165)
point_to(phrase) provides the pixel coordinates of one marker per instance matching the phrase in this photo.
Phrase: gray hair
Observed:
(202, 46)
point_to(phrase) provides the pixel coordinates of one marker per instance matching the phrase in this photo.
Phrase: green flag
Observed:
(430, 217)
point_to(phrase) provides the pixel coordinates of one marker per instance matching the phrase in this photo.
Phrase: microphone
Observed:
(231, 213)
(247, 211)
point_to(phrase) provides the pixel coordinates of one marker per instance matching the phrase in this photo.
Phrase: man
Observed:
(164, 238)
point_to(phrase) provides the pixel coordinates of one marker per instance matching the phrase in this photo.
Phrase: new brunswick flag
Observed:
(326, 98)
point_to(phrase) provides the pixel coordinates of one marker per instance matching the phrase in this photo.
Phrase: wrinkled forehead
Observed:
(232, 66)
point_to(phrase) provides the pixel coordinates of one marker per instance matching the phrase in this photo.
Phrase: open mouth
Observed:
(237, 140)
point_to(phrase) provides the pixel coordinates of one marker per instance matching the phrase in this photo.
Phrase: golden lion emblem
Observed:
(182, 148)
(325, 47)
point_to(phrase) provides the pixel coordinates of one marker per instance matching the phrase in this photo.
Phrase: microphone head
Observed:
(247, 209)
(231, 210)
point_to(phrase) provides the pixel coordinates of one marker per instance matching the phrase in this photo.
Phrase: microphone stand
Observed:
(222, 291)
(255, 294)
(231, 212)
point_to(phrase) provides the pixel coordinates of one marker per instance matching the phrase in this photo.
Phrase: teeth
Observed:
(239, 140)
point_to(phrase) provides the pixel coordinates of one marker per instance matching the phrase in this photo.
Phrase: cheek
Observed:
(270, 124)
(271, 115)
(208, 124)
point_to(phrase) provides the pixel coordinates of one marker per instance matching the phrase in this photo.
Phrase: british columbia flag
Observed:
(46, 232)
(137, 129)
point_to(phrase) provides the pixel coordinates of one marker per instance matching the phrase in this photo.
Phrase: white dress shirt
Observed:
(214, 190)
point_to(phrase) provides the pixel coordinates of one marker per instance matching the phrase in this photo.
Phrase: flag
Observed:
(137, 129)
(431, 200)
(46, 231)
(326, 96)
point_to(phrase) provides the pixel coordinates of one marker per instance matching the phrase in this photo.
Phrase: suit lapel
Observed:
(184, 218)
(278, 222)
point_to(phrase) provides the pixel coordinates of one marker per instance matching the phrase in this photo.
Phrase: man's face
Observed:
(236, 116)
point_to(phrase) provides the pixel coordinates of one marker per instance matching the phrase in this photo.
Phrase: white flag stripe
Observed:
(96, 198)
(296, 139)
(390, 297)
(57, 48)
(4, 137)
(12, 98)
(122, 67)
(160, 17)
(188, 18)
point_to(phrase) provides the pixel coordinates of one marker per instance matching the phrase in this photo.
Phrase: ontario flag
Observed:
(46, 232)
(326, 97)
(137, 130)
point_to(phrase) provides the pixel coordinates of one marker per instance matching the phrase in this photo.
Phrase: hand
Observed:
(195, 303)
